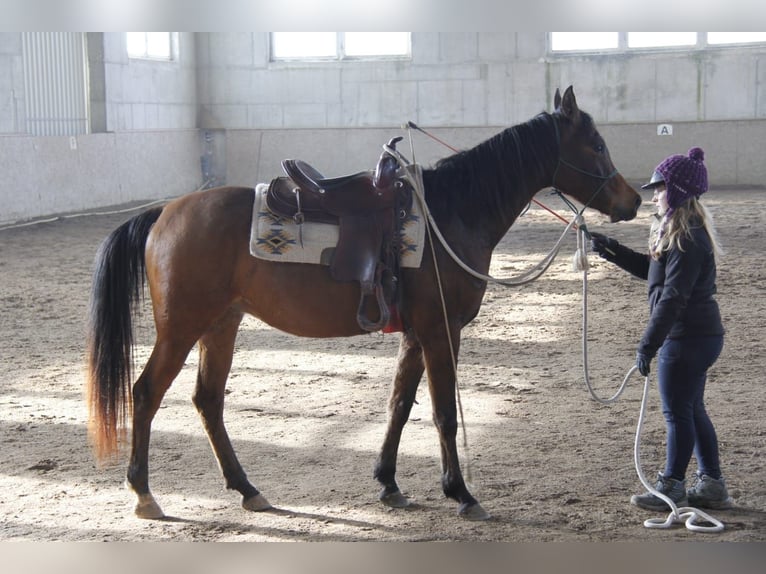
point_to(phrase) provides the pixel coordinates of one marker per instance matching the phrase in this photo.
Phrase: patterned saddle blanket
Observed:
(274, 238)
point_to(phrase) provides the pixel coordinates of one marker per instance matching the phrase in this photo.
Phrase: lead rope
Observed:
(686, 514)
(581, 263)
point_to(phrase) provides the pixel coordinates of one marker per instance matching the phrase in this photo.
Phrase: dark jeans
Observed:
(682, 366)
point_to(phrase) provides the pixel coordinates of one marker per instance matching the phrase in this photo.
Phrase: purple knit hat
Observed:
(684, 177)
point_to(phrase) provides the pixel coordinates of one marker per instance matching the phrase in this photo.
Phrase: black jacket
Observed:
(681, 290)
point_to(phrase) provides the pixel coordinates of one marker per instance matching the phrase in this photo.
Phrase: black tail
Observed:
(118, 283)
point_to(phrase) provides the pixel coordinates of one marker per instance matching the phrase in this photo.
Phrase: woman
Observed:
(684, 329)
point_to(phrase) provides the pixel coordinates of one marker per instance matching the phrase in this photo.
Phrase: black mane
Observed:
(495, 176)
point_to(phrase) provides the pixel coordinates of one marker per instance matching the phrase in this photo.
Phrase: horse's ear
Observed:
(568, 105)
(557, 100)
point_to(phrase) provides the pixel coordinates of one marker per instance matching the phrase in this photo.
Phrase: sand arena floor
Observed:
(307, 416)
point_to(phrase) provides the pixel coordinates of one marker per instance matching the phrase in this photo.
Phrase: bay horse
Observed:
(194, 255)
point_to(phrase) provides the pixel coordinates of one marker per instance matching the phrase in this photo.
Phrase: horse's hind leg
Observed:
(164, 364)
(216, 349)
(408, 374)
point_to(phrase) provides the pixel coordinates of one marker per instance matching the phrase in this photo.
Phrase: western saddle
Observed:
(369, 207)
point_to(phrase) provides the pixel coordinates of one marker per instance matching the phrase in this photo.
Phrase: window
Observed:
(150, 45)
(570, 41)
(364, 44)
(296, 45)
(735, 37)
(628, 41)
(339, 45)
(661, 39)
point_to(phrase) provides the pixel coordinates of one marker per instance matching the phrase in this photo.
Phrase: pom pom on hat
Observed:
(696, 154)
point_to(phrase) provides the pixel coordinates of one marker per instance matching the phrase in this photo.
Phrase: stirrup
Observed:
(385, 314)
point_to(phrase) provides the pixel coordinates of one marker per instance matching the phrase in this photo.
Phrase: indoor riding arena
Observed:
(99, 129)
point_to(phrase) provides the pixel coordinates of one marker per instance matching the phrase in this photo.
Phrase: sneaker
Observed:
(674, 489)
(707, 492)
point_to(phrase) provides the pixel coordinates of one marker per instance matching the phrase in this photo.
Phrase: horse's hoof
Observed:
(394, 499)
(473, 512)
(147, 508)
(256, 503)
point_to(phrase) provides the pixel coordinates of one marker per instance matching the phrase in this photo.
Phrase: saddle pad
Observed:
(274, 238)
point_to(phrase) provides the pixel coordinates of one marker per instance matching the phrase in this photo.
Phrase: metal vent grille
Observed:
(55, 83)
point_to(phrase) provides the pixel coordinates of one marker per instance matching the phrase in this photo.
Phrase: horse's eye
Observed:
(599, 148)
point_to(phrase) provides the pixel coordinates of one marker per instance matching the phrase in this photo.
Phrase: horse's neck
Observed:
(520, 201)
(539, 175)
(486, 188)
(516, 200)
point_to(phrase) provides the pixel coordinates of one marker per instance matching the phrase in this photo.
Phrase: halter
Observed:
(561, 161)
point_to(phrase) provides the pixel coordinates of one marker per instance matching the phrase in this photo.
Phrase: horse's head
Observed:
(585, 171)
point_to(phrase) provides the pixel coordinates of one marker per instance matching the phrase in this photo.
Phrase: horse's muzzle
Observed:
(620, 213)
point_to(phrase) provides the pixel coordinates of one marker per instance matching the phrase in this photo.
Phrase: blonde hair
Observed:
(667, 232)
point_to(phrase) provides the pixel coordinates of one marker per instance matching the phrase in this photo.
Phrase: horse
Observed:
(193, 254)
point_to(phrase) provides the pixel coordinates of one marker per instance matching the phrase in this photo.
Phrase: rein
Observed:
(540, 268)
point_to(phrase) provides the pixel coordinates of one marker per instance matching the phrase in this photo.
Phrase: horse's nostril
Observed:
(638, 202)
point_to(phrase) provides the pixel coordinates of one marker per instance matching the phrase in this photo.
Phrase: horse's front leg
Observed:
(441, 385)
(408, 374)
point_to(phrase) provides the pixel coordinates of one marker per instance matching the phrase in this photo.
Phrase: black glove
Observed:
(605, 246)
(642, 362)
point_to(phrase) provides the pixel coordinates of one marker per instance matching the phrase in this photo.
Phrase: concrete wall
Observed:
(251, 112)
(337, 115)
(11, 83)
(148, 148)
(51, 175)
(453, 79)
(734, 149)
(150, 94)
(472, 79)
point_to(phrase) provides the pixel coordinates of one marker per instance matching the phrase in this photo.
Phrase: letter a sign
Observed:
(665, 130)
